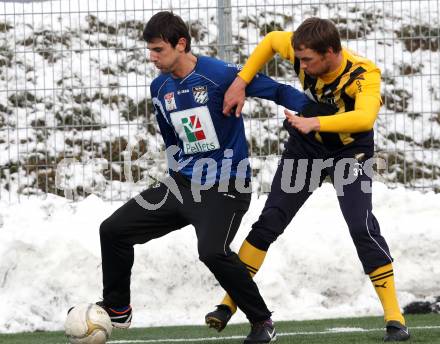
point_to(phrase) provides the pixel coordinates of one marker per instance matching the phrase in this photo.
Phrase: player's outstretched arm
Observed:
(264, 87)
(274, 42)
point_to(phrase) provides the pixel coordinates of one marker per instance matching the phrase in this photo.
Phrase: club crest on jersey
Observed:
(170, 101)
(200, 94)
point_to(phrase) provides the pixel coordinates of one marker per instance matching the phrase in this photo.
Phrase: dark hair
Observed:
(168, 27)
(317, 34)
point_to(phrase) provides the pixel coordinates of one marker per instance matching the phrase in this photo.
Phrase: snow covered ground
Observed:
(50, 260)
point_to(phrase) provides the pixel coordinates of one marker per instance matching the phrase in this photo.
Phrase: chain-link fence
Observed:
(76, 114)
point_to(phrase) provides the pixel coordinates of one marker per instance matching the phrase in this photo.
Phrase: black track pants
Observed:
(355, 204)
(216, 219)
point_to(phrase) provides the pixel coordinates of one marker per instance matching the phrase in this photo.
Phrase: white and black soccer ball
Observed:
(88, 324)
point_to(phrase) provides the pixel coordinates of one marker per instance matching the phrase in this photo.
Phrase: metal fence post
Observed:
(224, 29)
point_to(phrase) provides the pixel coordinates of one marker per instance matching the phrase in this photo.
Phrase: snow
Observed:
(51, 260)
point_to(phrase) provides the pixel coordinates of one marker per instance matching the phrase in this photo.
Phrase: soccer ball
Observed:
(88, 324)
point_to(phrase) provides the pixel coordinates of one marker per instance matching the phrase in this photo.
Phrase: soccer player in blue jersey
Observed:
(209, 174)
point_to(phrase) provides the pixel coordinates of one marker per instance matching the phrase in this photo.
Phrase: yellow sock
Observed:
(383, 282)
(253, 258)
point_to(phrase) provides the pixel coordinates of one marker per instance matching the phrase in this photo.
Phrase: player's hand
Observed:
(234, 97)
(304, 124)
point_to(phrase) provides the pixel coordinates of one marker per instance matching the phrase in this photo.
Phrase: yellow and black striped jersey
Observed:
(354, 88)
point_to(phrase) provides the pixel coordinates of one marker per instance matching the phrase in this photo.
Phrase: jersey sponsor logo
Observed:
(200, 94)
(196, 130)
(170, 101)
(193, 128)
(359, 85)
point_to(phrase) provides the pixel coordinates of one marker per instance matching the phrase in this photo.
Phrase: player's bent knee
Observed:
(271, 224)
(262, 237)
(108, 229)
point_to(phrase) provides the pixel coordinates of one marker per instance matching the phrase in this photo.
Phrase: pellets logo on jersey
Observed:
(193, 128)
(170, 101)
(200, 94)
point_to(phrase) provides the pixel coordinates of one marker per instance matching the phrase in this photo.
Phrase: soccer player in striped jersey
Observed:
(332, 74)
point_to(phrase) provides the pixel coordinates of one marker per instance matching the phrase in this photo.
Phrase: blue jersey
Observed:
(210, 145)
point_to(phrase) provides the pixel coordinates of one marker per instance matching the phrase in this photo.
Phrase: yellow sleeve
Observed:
(274, 42)
(366, 91)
